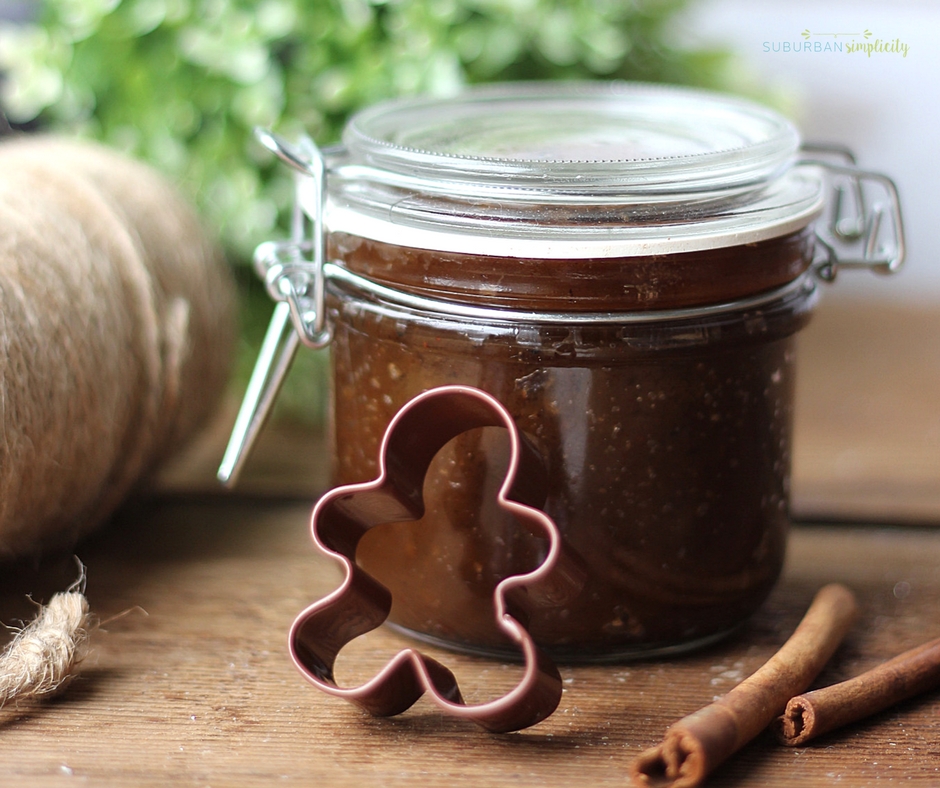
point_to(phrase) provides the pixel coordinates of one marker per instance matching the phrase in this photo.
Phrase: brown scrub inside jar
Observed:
(659, 281)
(667, 446)
(623, 266)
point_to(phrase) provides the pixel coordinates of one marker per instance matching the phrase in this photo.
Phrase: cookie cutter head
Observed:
(360, 604)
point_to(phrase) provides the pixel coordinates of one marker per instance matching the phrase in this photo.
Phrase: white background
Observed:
(885, 107)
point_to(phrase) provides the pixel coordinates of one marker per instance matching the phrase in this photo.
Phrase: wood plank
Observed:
(867, 431)
(198, 689)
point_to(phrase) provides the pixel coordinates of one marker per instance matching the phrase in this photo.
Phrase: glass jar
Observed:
(624, 267)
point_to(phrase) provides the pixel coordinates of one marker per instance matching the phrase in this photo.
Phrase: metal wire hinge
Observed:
(293, 275)
(864, 228)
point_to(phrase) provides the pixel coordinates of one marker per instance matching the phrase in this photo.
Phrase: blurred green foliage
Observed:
(182, 83)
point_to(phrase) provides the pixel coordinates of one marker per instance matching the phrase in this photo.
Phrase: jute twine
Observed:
(116, 326)
(44, 656)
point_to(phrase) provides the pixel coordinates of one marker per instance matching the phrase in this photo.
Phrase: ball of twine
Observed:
(116, 329)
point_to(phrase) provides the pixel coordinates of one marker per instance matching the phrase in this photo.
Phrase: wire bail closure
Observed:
(864, 230)
(293, 270)
(293, 274)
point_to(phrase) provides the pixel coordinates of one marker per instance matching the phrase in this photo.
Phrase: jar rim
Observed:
(399, 303)
(578, 139)
(568, 170)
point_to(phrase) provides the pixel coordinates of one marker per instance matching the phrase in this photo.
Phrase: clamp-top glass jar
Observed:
(624, 267)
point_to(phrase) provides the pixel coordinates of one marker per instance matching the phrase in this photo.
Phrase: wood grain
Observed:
(867, 431)
(198, 689)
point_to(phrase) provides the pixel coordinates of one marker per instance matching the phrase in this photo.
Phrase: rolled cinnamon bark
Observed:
(826, 709)
(696, 744)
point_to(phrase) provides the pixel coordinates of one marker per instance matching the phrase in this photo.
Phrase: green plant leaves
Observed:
(181, 83)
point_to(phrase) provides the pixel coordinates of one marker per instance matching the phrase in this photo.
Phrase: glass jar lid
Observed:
(570, 170)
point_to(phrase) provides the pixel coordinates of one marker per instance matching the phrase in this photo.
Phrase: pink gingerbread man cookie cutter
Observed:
(360, 604)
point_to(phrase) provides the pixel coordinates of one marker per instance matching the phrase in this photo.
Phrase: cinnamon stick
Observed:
(826, 709)
(695, 745)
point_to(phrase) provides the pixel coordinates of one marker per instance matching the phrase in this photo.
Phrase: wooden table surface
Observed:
(188, 681)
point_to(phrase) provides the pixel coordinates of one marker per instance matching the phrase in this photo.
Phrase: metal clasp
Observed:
(864, 228)
(293, 270)
(294, 277)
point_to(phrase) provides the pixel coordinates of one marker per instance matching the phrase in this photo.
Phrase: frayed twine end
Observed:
(43, 657)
